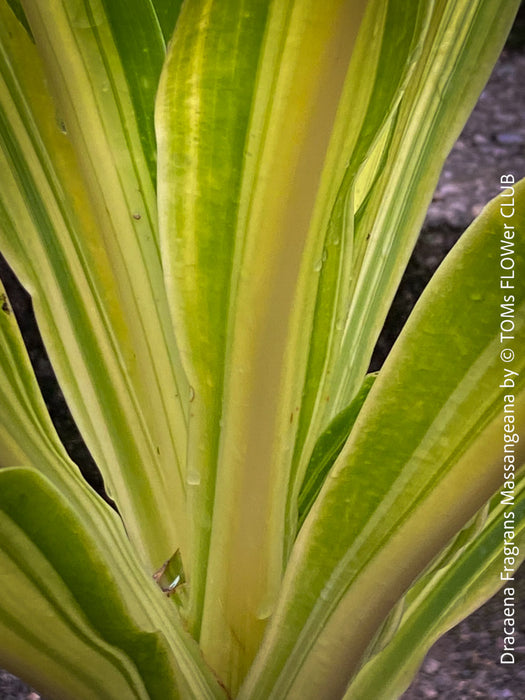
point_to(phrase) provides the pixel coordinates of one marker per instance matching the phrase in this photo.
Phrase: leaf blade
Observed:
(97, 594)
(423, 457)
(117, 379)
(298, 73)
(441, 602)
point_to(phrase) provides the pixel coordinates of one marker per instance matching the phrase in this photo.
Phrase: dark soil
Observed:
(463, 664)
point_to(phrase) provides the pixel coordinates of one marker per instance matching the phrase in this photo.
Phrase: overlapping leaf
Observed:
(290, 195)
(78, 224)
(238, 191)
(441, 600)
(79, 612)
(82, 619)
(384, 195)
(277, 219)
(423, 456)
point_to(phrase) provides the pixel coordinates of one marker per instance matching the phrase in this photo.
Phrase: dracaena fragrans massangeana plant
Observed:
(212, 231)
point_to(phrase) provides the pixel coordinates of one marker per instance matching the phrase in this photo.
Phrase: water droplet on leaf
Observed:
(193, 478)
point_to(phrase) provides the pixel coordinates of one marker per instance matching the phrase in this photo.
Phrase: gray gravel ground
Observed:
(464, 664)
